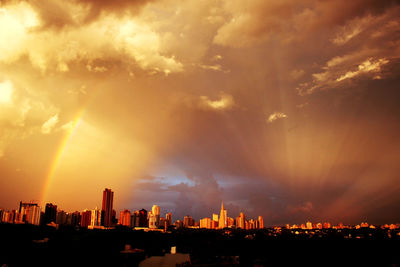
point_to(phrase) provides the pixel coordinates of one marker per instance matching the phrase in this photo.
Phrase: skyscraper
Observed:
(86, 218)
(168, 218)
(143, 218)
(222, 217)
(29, 213)
(152, 220)
(107, 207)
(156, 213)
(125, 218)
(50, 213)
(95, 217)
(241, 221)
(188, 221)
(61, 217)
(261, 222)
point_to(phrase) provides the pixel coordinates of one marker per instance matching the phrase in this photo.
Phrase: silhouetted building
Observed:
(61, 217)
(107, 207)
(143, 218)
(178, 224)
(75, 218)
(135, 219)
(163, 222)
(50, 214)
(114, 219)
(86, 218)
(168, 218)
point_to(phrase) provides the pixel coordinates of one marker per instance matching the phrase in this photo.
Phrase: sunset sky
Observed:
(286, 109)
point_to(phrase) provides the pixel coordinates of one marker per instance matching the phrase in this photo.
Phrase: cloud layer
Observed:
(283, 109)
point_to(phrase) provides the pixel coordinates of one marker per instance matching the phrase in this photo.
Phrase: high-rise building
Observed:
(143, 222)
(75, 218)
(135, 219)
(240, 221)
(153, 224)
(215, 217)
(205, 223)
(168, 218)
(230, 222)
(188, 221)
(86, 218)
(260, 222)
(107, 207)
(95, 217)
(9, 216)
(50, 213)
(156, 213)
(223, 217)
(309, 225)
(252, 224)
(163, 222)
(29, 213)
(61, 217)
(178, 224)
(125, 218)
(214, 224)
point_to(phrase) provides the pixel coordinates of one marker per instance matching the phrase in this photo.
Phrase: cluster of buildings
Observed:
(27, 213)
(224, 221)
(31, 213)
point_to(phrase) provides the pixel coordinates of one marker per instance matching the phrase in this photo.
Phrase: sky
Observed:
(286, 109)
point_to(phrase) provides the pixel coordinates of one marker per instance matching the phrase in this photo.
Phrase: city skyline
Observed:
(105, 218)
(287, 110)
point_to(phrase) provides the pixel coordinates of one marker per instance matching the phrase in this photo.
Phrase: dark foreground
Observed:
(28, 245)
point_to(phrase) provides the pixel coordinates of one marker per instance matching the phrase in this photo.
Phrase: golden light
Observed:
(6, 91)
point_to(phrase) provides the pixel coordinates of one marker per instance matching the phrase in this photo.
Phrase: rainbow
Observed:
(59, 153)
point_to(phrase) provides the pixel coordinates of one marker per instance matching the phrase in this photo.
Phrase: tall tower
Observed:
(261, 222)
(222, 217)
(156, 212)
(50, 213)
(107, 207)
(168, 218)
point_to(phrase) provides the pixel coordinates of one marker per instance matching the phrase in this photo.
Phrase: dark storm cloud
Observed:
(330, 68)
(289, 21)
